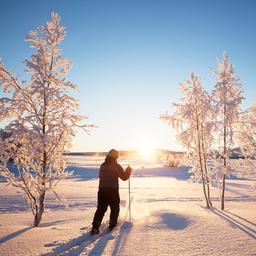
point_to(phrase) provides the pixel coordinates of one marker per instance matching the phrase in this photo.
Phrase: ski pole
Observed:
(129, 182)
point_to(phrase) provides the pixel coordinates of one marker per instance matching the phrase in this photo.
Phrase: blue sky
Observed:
(130, 56)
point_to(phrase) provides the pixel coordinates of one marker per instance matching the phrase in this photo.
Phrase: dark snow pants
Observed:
(107, 197)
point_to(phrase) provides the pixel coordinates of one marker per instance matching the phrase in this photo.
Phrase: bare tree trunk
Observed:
(225, 160)
(223, 193)
(205, 195)
(200, 159)
(209, 194)
(206, 170)
(208, 185)
(224, 175)
(40, 210)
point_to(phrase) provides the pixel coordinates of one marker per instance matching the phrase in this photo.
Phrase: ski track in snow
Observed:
(168, 218)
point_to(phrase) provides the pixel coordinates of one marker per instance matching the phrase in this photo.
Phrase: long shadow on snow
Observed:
(235, 223)
(74, 246)
(13, 235)
(19, 232)
(99, 247)
(170, 220)
(124, 232)
(77, 245)
(175, 221)
(237, 216)
(67, 246)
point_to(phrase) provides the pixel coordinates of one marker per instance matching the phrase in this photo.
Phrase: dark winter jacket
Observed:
(110, 171)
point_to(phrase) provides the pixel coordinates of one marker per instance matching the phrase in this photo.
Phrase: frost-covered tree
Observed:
(191, 119)
(246, 138)
(227, 97)
(247, 131)
(42, 117)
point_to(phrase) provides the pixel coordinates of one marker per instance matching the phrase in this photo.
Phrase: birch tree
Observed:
(192, 123)
(227, 97)
(42, 117)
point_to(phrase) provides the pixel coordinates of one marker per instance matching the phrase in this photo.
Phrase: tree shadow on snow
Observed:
(174, 221)
(13, 235)
(237, 223)
(248, 221)
(170, 220)
(52, 223)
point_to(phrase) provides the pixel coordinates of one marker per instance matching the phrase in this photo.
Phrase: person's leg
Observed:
(115, 208)
(101, 209)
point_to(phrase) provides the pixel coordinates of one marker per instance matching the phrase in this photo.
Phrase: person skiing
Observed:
(108, 193)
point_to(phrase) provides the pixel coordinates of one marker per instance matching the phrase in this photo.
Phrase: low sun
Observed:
(146, 151)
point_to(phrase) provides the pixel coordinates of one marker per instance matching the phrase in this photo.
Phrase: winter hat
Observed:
(113, 153)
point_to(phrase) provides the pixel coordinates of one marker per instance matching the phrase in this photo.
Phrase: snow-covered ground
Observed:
(168, 218)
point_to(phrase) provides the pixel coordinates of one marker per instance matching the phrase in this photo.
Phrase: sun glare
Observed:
(146, 151)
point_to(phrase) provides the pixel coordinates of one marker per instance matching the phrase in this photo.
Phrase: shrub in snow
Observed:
(173, 162)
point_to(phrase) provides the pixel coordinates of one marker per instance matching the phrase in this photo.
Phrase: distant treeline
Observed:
(123, 153)
(234, 154)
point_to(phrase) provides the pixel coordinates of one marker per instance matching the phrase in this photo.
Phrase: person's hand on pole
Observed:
(129, 169)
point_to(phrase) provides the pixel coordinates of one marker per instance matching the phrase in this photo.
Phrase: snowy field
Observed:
(168, 217)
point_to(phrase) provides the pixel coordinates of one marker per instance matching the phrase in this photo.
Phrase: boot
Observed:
(94, 231)
(111, 226)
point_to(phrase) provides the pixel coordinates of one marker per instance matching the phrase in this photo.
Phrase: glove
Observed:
(129, 169)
